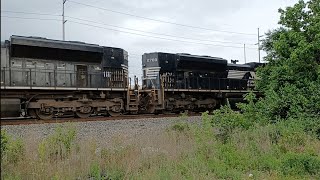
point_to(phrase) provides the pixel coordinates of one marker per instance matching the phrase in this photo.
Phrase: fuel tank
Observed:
(10, 107)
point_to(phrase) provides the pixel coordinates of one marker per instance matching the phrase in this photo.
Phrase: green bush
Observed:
(12, 150)
(59, 144)
(15, 151)
(180, 127)
(226, 121)
(4, 142)
(258, 147)
(290, 81)
(300, 164)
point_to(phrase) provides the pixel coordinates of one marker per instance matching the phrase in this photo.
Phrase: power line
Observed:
(161, 34)
(156, 37)
(45, 19)
(168, 35)
(94, 2)
(162, 21)
(21, 12)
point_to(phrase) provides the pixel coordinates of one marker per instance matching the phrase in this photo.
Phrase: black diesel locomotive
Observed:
(44, 78)
(188, 82)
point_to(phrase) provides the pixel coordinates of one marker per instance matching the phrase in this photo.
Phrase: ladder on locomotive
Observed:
(133, 96)
(158, 94)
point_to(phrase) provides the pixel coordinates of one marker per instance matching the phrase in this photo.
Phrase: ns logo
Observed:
(152, 60)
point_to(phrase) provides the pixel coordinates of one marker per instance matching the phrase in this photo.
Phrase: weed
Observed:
(300, 164)
(95, 170)
(12, 150)
(184, 115)
(180, 127)
(59, 144)
(15, 151)
(12, 177)
(4, 142)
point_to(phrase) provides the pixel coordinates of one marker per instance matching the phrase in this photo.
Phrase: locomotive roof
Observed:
(239, 65)
(50, 43)
(216, 59)
(224, 61)
(203, 57)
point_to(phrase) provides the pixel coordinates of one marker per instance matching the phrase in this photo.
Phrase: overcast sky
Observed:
(242, 17)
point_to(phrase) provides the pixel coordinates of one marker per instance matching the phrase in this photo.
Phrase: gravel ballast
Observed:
(103, 132)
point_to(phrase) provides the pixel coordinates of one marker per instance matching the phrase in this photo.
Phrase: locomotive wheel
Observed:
(44, 115)
(115, 111)
(84, 112)
(82, 115)
(114, 114)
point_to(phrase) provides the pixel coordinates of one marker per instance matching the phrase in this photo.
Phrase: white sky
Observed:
(243, 16)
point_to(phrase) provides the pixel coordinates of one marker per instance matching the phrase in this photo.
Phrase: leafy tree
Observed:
(291, 79)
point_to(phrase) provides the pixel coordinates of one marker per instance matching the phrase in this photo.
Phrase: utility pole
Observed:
(63, 21)
(259, 43)
(244, 53)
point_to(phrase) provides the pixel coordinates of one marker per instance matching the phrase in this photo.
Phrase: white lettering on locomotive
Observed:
(152, 60)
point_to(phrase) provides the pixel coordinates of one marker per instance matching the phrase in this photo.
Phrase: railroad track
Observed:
(24, 121)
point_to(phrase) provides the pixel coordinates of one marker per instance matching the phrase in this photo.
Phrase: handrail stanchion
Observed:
(54, 78)
(198, 83)
(102, 79)
(4, 76)
(90, 81)
(49, 79)
(71, 79)
(30, 78)
(10, 77)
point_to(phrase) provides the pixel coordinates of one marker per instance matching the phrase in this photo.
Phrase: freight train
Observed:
(47, 78)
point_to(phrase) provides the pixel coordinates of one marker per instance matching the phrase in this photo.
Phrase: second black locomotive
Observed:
(190, 82)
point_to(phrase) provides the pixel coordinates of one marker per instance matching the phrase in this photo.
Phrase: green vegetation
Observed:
(275, 137)
(12, 150)
(291, 80)
(209, 150)
(59, 144)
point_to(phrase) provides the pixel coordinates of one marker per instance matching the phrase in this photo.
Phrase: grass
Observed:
(183, 151)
